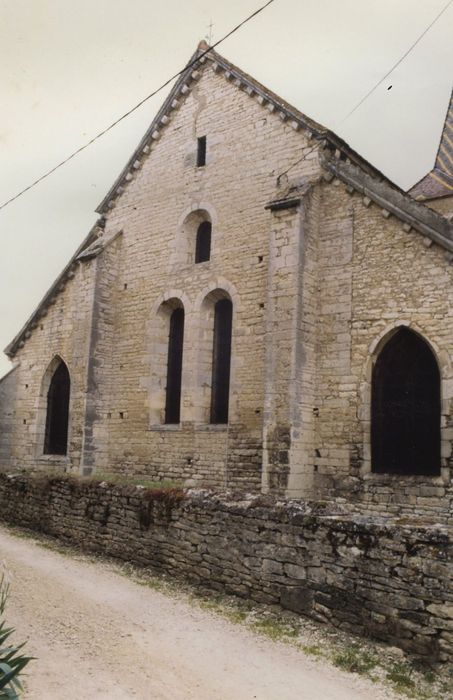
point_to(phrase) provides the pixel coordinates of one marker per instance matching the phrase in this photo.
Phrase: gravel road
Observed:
(96, 634)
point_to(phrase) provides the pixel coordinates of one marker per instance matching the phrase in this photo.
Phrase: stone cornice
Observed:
(392, 201)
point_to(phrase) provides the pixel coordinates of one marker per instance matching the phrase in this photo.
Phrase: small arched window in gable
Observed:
(174, 367)
(405, 408)
(57, 416)
(221, 361)
(203, 242)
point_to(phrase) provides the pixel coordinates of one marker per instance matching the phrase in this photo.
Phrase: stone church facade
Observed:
(257, 307)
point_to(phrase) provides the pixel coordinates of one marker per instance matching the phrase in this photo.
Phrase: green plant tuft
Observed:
(355, 660)
(400, 676)
(12, 662)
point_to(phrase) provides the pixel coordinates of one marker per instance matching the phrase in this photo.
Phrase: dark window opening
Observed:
(203, 242)
(174, 367)
(221, 361)
(201, 151)
(405, 408)
(56, 436)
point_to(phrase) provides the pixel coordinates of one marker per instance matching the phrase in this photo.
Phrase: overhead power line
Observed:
(370, 92)
(417, 41)
(137, 106)
(189, 65)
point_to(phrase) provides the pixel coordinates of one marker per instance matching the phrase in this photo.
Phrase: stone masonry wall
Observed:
(248, 145)
(63, 331)
(7, 414)
(380, 577)
(373, 278)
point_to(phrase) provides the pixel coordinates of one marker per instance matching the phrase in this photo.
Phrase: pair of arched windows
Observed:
(220, 363)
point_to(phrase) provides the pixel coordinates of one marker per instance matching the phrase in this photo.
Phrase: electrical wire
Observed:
(195, 61)
(137, 106)
(370, 92)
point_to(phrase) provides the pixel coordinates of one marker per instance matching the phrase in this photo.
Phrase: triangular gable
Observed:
(339, 160)
(201, 59)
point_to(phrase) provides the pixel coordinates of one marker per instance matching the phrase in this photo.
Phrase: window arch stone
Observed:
(444, 363)
(405, 407)
(53, 414)
(184, 253)
(167, 350)
(215, 374)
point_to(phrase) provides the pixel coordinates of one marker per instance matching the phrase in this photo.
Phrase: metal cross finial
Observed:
(209, 36)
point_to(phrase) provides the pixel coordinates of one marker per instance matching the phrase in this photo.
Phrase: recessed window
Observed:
(203, 242)
(56, 435)
(201, 151)
(221, 361)
(174, 367)
(405, 409)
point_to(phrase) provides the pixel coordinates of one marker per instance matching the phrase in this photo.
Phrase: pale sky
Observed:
(68, 68)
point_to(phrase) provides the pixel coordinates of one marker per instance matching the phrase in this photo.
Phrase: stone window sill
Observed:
(404, 478)
(166, 428)
(199, 427)
(54, 459)
(212, 427)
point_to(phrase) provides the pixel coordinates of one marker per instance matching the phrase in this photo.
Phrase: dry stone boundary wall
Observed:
(370, 575)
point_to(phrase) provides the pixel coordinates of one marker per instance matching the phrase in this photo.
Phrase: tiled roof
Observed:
(439, 182)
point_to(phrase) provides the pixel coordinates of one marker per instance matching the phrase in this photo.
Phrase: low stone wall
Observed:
(373, 576)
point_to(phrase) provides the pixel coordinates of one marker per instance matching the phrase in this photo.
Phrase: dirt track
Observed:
(98, 635)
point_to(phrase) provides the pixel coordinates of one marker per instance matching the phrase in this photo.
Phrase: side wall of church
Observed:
(375, 277)
(62, 331)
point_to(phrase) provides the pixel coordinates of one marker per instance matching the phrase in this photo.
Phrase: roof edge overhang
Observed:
(413, 214)
(49, 297)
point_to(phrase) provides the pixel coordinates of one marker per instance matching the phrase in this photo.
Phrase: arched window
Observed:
(203, 242)
(405, 407)
(174, 367)
(221, 361)
(57, 416)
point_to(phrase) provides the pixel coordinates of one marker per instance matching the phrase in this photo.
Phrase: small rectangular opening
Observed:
(201, 151)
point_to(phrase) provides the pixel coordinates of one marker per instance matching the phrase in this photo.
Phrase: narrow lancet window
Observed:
(221, 361)
(201, 151)
(203, 242)
(174, 367)
(57, 417)
(405, 407)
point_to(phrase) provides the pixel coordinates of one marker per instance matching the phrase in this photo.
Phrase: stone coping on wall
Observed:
(376, 575)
